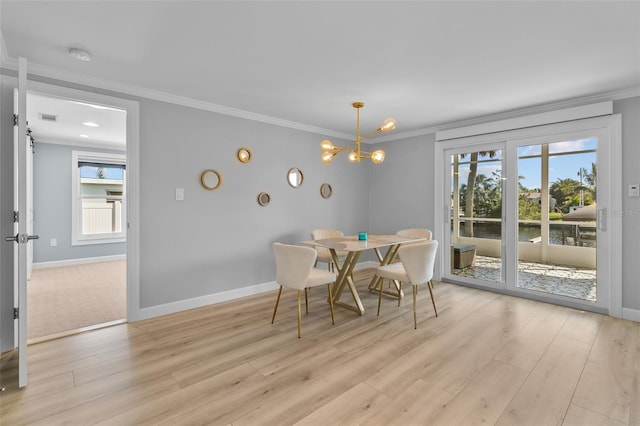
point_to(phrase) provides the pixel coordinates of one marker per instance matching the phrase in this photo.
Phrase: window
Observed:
(98, 203)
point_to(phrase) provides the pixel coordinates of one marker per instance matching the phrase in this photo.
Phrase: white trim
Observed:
(65, 76)
(4, 55)
(223, 296)
(78, 238)
(82, 144)
(631, 314)
(101, 83)
(614, 225)
(79, 261)
(209, 299)
(611, 124)
(543, 118)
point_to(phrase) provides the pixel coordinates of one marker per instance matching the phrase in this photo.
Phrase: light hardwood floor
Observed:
(487, 359)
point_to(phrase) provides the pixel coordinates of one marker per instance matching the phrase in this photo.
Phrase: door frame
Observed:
(611, 259)
(133, 178)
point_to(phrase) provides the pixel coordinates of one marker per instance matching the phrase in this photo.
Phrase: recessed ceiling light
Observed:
(79, 54)
(83, 136)
(91, 124)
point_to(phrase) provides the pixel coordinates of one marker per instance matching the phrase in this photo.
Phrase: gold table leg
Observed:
(345, 272)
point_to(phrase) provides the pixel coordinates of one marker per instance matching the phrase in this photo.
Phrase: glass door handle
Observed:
(601, 221)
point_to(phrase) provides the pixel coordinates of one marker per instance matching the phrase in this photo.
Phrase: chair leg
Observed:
(306, 300)
(331, 302)
(380, 294)
(415, 296)
(276, 307)
(299, 314)
(399, 292)
(433, 301)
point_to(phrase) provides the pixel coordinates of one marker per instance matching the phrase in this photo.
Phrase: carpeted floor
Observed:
(71, 297)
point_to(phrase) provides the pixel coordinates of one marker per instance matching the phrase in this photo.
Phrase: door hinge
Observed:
(15, 119)
(16, 216)
(16, 313)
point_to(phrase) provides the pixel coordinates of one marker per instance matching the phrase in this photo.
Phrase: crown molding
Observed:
(45, 71)
(114, 86)
(615, 95)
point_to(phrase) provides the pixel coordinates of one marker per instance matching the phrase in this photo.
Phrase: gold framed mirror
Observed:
(244, 155)
(295, 177)
(264, 198)
(210, 179)
(326, 190)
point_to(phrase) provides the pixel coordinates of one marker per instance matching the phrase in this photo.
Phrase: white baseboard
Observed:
(210, 299)
(71, 262)
(631, 314)
(197, 302)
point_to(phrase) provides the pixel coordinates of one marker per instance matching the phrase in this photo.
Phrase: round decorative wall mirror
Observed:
(295, 177)
(264, 199)
(244, 155)
(326, 190)
(210, 179)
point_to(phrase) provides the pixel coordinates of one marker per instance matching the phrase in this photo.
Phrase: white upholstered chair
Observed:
(324, 255)
(415, 232)
(295, 270)
(415, 267)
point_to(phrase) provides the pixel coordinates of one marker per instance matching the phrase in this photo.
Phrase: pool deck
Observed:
(561, 280)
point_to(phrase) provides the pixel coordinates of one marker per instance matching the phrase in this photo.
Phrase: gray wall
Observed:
(52, 206)
(402, 191)
(630, 110)
(401, 188)
(221, 240)
(213, 240)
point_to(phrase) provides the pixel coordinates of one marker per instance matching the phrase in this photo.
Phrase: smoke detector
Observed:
(79, 54)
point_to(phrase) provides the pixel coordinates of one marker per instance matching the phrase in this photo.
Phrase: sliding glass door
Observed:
(557, 230)
(526, 212)
(476, 214)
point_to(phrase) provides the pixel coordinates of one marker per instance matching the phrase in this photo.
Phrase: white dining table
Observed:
(354, 248)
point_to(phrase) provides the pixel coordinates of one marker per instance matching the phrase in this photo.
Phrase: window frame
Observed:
(77, 236)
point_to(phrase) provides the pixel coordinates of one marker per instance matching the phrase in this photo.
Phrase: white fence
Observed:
(101, 216)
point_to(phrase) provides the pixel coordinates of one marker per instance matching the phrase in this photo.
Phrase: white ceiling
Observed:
(70, 116)
(425, 63)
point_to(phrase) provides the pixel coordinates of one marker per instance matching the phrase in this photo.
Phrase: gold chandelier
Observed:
(329, 150)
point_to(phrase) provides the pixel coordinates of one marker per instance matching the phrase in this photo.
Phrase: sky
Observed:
(91, 172)
(562, 165)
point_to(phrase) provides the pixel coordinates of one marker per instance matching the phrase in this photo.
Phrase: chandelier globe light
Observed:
(329, 150)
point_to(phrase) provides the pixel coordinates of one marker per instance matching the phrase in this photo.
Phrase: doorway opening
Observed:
(79, 277)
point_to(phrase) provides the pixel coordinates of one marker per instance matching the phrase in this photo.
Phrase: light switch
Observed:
(179, 194)
(634, 190)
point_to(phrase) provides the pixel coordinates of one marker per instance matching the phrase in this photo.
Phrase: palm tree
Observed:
(471, 187)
